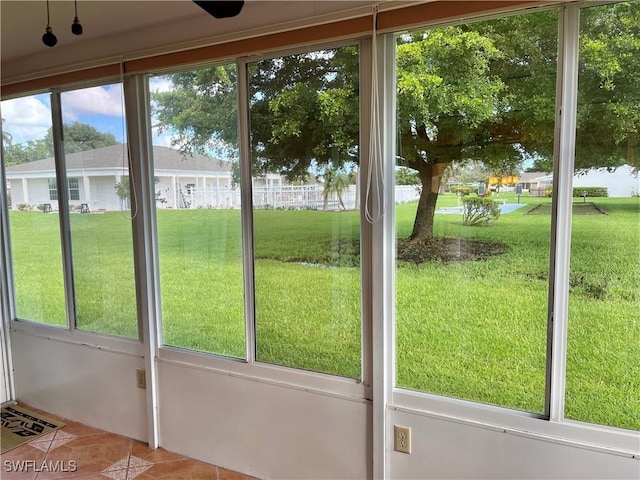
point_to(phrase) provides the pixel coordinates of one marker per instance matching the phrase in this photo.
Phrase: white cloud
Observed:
(26, 118)
(160, 84)
(105, 100)
(163, 140)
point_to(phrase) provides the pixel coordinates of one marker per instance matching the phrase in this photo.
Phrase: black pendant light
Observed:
(76, 28)
(49, 39)
(220, 9)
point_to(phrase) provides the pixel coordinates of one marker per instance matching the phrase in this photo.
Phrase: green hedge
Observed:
(591, 191)
(579, 191)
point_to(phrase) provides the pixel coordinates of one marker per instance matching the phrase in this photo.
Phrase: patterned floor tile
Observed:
(142, 450)
(185, 469)
(90, 454)
(52, 440)
(98, 455)
(20, 463)
(224, 474)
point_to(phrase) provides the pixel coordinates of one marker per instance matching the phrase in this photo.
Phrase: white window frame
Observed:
(53, 189)
(377, 262)
(73, 187)
(357, 390)
(70, 333)
(551, 425)
(73, 184)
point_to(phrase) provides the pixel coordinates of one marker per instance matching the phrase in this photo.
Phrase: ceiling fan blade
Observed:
(221, 9)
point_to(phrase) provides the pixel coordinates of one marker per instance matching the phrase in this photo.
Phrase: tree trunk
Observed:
(340, 199)
(430, 177)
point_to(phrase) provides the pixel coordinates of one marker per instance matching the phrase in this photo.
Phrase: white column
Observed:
(174, 188)
(25, 191)
(87, 188)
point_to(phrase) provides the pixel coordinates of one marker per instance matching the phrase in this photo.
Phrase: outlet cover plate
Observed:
(141, 379)
(401, 439)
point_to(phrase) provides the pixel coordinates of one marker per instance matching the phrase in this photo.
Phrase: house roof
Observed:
(531, 176)
(164, 158)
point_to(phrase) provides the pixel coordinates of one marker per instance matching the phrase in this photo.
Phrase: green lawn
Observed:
(472, 330)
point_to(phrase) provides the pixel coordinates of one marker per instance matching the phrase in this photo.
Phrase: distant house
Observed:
(535, 183)
(182, 181)
(620, 182)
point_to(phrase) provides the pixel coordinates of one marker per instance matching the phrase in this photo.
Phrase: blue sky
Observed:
(29, 118)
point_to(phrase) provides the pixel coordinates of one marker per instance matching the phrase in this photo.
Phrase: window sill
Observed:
(583, 435)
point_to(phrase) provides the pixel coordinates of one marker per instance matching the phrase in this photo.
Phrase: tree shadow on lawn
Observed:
(449, 249)
(346, 253)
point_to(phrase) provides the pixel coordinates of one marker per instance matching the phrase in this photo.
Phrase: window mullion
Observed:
(366, 255)
(246, 209)
(63, 208)
(383, 260)
(7, 292)
(144, 241)
(562, 201)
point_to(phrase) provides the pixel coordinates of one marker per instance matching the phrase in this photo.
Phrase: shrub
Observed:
(479, 211)
(591, 191)
(464, 190)
(548, 192)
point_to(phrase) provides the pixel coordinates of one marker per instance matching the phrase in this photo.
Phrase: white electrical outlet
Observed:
(141, 378)
(401, 439)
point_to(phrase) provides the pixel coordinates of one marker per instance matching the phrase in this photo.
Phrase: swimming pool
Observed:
(504, 208)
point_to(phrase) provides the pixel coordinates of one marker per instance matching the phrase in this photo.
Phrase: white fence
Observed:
(298, 197)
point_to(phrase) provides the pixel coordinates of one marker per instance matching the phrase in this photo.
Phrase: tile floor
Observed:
(85, 453)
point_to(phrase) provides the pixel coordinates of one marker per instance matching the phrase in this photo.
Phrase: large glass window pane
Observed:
(475, 109)
(196, 167)
(304, 124)
(97, 173)
(603, 358)
(35, 238)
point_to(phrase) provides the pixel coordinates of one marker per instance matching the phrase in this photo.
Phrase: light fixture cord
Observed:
(75, 4)
(48, 21)
(375, 208)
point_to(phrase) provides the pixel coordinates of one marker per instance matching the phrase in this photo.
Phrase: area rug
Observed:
(19, 425)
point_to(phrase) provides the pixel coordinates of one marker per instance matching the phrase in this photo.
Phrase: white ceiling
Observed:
(116, 28)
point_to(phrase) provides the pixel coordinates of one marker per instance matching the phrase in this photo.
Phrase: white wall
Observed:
(262, 429)
(620, 183)
(17, 195)
(103, 194)
(92, 386)
(38, 191)
(444, 448)
(282, 431)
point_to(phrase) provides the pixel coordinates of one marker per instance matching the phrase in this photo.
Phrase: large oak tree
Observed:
(483, 91)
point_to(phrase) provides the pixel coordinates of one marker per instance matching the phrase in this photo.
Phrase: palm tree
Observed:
(7, 138)
(335, 180)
